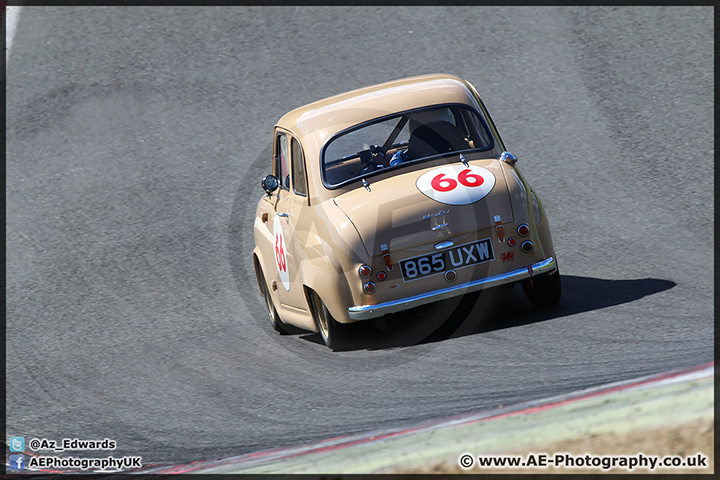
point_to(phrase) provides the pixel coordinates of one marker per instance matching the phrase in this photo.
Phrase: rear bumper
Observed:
(367, 312)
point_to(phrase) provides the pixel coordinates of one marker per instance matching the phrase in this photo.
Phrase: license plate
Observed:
(452, 258)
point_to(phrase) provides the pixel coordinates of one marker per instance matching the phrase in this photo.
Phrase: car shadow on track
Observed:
(490, 310)
(579, 295)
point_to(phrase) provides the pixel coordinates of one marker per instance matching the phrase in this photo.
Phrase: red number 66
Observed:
(466, 177)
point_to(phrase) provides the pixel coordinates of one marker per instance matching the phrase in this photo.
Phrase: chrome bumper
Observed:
(367, 312)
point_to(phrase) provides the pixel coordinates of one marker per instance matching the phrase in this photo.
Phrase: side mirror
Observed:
(270, 184)
(508, 158)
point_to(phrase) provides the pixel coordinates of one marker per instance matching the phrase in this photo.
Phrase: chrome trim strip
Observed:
(367, 312)
(442, 245)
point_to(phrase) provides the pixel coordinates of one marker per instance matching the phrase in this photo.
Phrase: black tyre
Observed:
(275, 321)
(543, 291)
(329, 327)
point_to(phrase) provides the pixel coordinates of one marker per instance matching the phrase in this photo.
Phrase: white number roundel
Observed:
(456, 184)
(280, 250)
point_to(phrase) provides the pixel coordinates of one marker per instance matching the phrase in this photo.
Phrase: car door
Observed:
(289, 169)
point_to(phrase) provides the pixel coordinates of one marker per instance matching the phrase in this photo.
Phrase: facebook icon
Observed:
(17, 462)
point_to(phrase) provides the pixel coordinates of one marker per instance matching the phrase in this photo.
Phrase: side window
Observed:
(298, 169)
(282, 170)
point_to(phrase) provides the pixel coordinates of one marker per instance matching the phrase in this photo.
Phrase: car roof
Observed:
(316, 122)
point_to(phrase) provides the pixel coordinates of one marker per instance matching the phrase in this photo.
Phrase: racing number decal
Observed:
(440, 183)
(280, 253)
(456, 184)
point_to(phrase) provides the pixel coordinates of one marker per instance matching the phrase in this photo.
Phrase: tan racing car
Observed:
(390, 197)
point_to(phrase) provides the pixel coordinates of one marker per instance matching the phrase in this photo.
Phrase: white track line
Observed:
(12, 15)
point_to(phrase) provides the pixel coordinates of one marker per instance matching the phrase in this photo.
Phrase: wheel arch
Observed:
(333, 289)
(257, 267)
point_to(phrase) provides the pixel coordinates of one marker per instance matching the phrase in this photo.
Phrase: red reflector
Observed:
(512, 242)
(381, 276)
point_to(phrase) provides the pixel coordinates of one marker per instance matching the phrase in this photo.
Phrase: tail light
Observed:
(527, 246)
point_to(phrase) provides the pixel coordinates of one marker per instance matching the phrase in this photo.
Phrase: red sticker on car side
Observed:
(281, 253)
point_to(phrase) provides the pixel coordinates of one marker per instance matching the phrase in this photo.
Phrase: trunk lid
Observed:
(413, 210)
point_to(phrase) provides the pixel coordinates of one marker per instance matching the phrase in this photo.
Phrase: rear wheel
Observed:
(543, 291)
(326, 324)
(270, 307)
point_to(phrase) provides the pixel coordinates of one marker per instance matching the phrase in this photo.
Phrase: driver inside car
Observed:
(431, 132)
(421, 126)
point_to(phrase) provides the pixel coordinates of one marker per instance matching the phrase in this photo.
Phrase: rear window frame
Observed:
(478, 114)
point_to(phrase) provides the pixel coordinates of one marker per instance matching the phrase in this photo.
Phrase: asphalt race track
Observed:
(136, 140)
